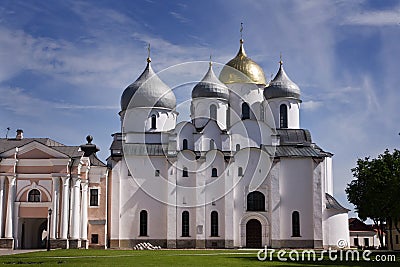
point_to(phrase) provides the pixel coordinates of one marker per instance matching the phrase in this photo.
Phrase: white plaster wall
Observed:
(250, 133)
(201, 111)
(185, 130)
(293, 111)
(116, 192)
(296, 189)
(134, 199)
(338, 228)
(328, 176)
(243, 92)
(255, 170)
(210, 131)
(139, 120)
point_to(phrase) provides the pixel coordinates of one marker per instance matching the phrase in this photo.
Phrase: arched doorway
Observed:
(33, 233)
(253, 234)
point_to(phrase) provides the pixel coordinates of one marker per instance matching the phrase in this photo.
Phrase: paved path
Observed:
(17, 251)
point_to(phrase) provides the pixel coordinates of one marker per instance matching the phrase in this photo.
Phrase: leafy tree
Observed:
(375, 191)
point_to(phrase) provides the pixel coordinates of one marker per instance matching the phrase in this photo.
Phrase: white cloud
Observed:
(375, 18)
(311, 105)
(179, 17)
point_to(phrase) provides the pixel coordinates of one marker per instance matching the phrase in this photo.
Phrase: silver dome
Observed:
(148, 91)
(281, 86)
(210, 86)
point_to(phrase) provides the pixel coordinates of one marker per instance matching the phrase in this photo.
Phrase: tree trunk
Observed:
(389, 220)
(380, 235)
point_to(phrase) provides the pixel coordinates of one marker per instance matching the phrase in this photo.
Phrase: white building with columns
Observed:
(240, 173)
(38, 175)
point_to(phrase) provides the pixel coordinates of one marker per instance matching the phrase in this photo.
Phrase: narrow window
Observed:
(212, 144)
(245, 111)
(397, 239)
(95, 239)
(94, 197)
(157, 173)
(185, 223)
(143, 223)
(184, 144)
(153, 122)
(240, 171)
(34, 195)
(283, 116)
(185, 172)
(213, 112)
(295, 223)
(255, 201)
(356, 242)
(214, 172)
(214, 223)
(366, 242)
(237, 147)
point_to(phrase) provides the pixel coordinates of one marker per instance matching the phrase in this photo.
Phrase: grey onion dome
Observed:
(148, 91)
(281, 86)
(210, 86)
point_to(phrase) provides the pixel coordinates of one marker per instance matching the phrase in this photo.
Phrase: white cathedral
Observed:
(241, 173)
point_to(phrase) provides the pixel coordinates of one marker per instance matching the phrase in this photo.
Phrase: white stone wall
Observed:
(139, 120)
(243, 92)
(296, 190)
(200, 114)
(293, 108)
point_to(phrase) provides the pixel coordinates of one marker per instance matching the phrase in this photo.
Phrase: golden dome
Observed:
(251, 72)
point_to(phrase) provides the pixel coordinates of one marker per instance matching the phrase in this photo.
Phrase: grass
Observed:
(190, 258)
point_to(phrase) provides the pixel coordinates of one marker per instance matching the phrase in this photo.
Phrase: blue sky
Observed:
(65, 64)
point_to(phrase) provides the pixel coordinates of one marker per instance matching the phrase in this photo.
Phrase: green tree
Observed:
(375, 191)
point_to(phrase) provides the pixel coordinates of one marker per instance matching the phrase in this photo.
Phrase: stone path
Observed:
(17, 251)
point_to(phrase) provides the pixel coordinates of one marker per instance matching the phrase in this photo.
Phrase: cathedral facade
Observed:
(240, 173)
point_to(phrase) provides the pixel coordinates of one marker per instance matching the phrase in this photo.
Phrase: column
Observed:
(76, 197)
(2, 206)
(10, 206)
(54, 217)
(84, 208)
(65, 208)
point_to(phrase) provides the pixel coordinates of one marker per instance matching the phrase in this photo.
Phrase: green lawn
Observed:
(164, 258)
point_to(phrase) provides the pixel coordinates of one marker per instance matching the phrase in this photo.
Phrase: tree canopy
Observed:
(375, 191)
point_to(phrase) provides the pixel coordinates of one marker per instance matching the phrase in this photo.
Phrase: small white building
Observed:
(363, 235)
(241, 173)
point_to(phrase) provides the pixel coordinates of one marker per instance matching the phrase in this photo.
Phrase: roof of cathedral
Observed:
(210, 86)
(251, 71)
(148, 91)
(294, 136)
(281, 86)
(332, 203)
(70, 151)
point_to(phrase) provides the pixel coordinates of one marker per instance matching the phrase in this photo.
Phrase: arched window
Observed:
(213, 112)
(283, 118)
(214, 172)
(245, 111)
(143, 223)
(34, 195)
(184, 144)
(185, 223)
(153, 122)
(212, 146)
(185, 172)
(237, 147)
(255, 201)
(214, 223)
(295, 223)
(240, 171)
